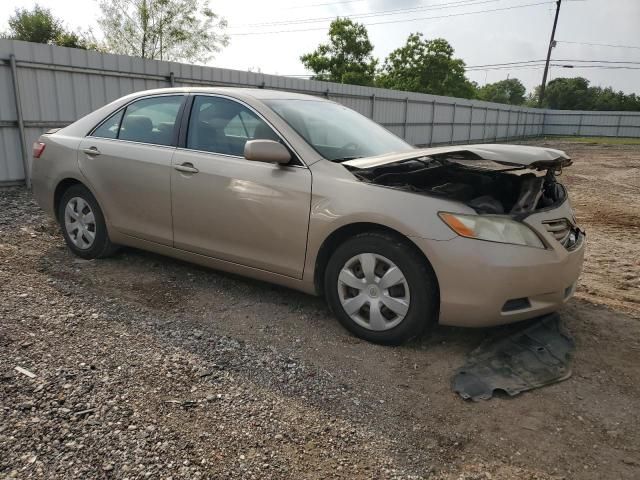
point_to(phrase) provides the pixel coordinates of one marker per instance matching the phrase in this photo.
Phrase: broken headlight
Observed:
(492, 229)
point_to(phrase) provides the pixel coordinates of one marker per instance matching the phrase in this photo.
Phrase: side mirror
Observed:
(266, 151)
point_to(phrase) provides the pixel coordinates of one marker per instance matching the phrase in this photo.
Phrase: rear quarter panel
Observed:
(58, 162)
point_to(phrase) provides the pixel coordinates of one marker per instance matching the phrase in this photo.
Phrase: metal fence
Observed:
(42, 87)
(592, 124)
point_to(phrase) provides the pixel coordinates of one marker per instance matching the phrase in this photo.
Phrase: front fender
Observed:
(340, 199)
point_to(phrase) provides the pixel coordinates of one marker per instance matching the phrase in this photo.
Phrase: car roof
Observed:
(240, 92)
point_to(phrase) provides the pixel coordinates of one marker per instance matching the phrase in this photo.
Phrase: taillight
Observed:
(38, 148)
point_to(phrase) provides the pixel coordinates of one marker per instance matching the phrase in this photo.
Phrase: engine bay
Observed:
(487, 189)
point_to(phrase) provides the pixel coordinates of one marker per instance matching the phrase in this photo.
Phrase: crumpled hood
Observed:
(514, 155)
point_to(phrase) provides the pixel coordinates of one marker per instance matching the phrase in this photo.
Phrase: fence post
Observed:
(433, 121)
(373, 107)
(498, 112)
(524, 130)
(618, 125)
(20, 119)
(484, 125)
(172, 79)
(470, 124)
(544, 122)
(580, 124)
(406, 116)
(453, 122)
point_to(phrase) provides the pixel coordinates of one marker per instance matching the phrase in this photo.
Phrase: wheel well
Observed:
(344, 233)
(62, 187)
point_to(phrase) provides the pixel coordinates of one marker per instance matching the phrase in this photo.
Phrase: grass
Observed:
(598, 140)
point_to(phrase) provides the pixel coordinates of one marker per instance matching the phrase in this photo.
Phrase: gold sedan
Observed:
(306, 193)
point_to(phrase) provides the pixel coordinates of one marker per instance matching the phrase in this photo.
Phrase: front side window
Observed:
(223, 126)
(151, 120)
(337, 132)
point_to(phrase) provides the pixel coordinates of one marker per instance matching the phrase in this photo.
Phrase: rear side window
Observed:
(109, 129)
(151, 120)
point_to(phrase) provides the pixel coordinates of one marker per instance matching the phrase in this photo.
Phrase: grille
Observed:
(562, 231)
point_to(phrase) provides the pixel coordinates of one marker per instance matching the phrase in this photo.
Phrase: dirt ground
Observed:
(146, 367)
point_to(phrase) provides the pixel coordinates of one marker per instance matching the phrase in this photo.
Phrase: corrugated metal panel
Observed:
(60, 85)
(10, 163)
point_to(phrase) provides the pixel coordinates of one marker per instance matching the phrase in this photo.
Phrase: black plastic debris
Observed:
(530, 358)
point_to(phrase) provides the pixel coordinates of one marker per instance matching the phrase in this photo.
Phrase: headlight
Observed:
(492, 229)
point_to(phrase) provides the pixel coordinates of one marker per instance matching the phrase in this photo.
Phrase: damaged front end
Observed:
(491, 179)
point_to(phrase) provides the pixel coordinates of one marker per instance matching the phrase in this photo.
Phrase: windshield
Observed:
(337, 132)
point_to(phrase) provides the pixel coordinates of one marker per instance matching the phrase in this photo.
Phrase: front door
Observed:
(224, 206)
(127, 161)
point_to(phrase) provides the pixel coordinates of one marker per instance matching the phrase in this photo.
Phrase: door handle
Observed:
(186, 168)
(91, 151)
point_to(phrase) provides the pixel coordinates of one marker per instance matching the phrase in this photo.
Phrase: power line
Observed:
(603, 67)
(398, 21)
(560, 65)
(596, 61)
(507, 67)
(525, 63)
(381, 13)
(521, 67)
(600, 44)
(506, 63)
(322, 5)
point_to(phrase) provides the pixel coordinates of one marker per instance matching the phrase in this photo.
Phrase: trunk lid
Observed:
(535, 158)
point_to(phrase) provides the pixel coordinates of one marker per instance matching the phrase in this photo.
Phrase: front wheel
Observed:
(381, 289)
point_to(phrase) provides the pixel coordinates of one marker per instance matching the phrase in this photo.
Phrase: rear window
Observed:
(149, 120)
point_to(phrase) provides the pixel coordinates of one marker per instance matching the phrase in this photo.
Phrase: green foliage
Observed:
(175, 30)
(40, 26)
(510, 91)
(576, 94)
(426, 66)
(346, 58)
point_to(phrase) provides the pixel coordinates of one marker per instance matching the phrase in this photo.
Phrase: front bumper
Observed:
(486, 283)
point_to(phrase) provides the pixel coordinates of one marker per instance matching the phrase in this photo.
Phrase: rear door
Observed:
(224, 206)
(127, 160)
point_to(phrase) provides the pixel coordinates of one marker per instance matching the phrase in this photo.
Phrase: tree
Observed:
(576, 94)
(346, 58)
(568, 94)
(426, 66)
(40, 26)
(176, 30)
(510, 91)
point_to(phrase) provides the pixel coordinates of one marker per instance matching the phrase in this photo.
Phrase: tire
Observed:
(414, 300)
(86, 235)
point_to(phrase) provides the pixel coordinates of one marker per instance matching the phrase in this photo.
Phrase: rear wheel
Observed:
(83, 225)
(381, 289)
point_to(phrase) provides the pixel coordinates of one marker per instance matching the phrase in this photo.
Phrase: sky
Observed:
(482, 32)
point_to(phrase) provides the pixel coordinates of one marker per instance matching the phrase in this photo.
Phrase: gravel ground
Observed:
(146, 367)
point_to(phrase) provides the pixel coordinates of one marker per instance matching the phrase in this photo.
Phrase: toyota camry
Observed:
(306, 193)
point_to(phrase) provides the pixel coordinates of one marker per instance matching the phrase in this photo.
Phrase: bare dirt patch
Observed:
(149, 367)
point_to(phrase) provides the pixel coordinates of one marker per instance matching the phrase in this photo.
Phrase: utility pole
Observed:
(552, 43)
